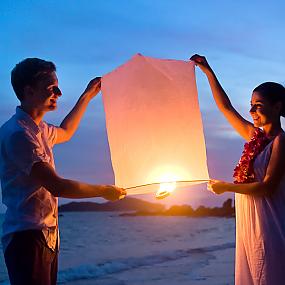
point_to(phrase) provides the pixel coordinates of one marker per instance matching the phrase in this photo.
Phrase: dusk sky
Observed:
(242, 40)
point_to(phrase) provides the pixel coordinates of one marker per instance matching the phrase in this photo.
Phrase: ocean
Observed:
(103, 248)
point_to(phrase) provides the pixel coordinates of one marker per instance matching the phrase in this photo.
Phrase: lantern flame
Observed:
(167, 186)
(167, 175)
(165, 189)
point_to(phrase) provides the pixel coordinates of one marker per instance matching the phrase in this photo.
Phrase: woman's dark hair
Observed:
(29, 72)
(273, 92)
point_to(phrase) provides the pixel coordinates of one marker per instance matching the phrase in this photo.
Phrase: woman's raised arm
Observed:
(241, 125)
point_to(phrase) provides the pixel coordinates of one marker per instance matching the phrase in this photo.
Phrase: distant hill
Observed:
(126, 204)
(139, 207)
(227, 210)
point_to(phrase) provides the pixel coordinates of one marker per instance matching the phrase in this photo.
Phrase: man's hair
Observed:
(273, 92)
(29, 72)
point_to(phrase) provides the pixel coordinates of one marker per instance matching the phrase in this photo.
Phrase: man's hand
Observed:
(113, 193)
(93, 87)
(217, 186)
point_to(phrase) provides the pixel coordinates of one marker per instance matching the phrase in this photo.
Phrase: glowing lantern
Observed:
(154, 125)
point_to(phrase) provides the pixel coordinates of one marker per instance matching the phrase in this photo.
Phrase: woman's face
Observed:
(262, 111)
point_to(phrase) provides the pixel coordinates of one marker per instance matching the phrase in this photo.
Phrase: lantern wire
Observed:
(158, 183)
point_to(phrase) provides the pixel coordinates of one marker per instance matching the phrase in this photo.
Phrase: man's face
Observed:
(45, 93)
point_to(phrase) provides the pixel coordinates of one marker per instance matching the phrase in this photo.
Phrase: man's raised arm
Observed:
(70, 123)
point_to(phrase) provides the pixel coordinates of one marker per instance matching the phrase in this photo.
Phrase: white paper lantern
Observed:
(154, 125)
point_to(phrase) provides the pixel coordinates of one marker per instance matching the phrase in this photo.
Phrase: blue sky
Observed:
(243, 41)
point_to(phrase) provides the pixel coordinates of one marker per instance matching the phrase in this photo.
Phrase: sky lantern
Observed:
(154, 125)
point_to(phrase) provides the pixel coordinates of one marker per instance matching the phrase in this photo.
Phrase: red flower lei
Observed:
(244, 172)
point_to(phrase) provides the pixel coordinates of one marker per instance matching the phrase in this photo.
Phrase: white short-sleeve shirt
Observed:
(29, 205)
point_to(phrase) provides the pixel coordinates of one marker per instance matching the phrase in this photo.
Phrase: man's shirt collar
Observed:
(23, 116)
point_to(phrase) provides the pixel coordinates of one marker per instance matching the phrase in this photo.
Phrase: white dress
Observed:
(260, 232)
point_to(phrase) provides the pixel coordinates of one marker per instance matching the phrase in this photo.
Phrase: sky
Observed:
(242, 40)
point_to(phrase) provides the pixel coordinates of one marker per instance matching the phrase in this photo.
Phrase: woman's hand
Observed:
(217, 186)
(201, 62)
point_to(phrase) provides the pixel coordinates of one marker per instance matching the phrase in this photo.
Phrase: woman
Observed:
(259, 182)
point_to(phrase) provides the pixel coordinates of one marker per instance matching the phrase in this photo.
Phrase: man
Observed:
(30, 184)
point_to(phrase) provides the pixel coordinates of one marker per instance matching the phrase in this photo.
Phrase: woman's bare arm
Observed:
(274, 174)
(241, 125)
